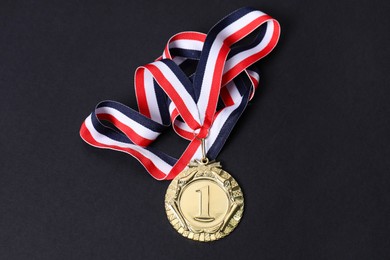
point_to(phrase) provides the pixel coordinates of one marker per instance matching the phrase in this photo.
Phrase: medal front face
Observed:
(204, 202)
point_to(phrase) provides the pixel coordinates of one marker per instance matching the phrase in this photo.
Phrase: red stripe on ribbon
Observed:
(140, 92)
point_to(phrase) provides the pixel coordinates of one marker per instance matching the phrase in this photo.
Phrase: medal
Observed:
(204, 202)
(200, 86)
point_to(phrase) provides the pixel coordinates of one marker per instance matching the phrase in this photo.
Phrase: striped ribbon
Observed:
(200, 85)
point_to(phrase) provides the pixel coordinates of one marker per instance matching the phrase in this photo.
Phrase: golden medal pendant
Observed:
(204, 202)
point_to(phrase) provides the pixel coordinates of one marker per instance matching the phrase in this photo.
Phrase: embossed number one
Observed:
(204, 205)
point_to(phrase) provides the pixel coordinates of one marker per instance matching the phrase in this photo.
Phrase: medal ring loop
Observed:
(204, 160)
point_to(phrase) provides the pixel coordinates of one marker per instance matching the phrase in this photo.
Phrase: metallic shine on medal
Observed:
(204, 202)
(200, 86)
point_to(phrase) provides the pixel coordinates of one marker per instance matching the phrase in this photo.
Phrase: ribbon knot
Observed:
(201, 133)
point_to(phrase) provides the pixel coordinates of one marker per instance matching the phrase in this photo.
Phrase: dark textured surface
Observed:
(311, 152)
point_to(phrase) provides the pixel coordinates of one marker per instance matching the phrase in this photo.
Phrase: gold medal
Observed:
(204, 202)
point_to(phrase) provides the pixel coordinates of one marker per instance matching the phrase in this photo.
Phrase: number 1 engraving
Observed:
(204, 205)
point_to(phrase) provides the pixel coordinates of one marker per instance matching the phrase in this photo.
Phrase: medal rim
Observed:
(213, 172)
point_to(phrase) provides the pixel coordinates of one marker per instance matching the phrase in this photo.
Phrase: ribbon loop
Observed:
(183, 87)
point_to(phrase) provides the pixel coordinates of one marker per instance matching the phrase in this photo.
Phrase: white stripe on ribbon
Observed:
(137, 127)
(187, 44)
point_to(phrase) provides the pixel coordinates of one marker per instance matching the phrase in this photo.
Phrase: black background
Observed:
(311, 152)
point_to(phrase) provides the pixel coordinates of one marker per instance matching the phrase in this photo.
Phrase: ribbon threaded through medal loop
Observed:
(168, 95)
